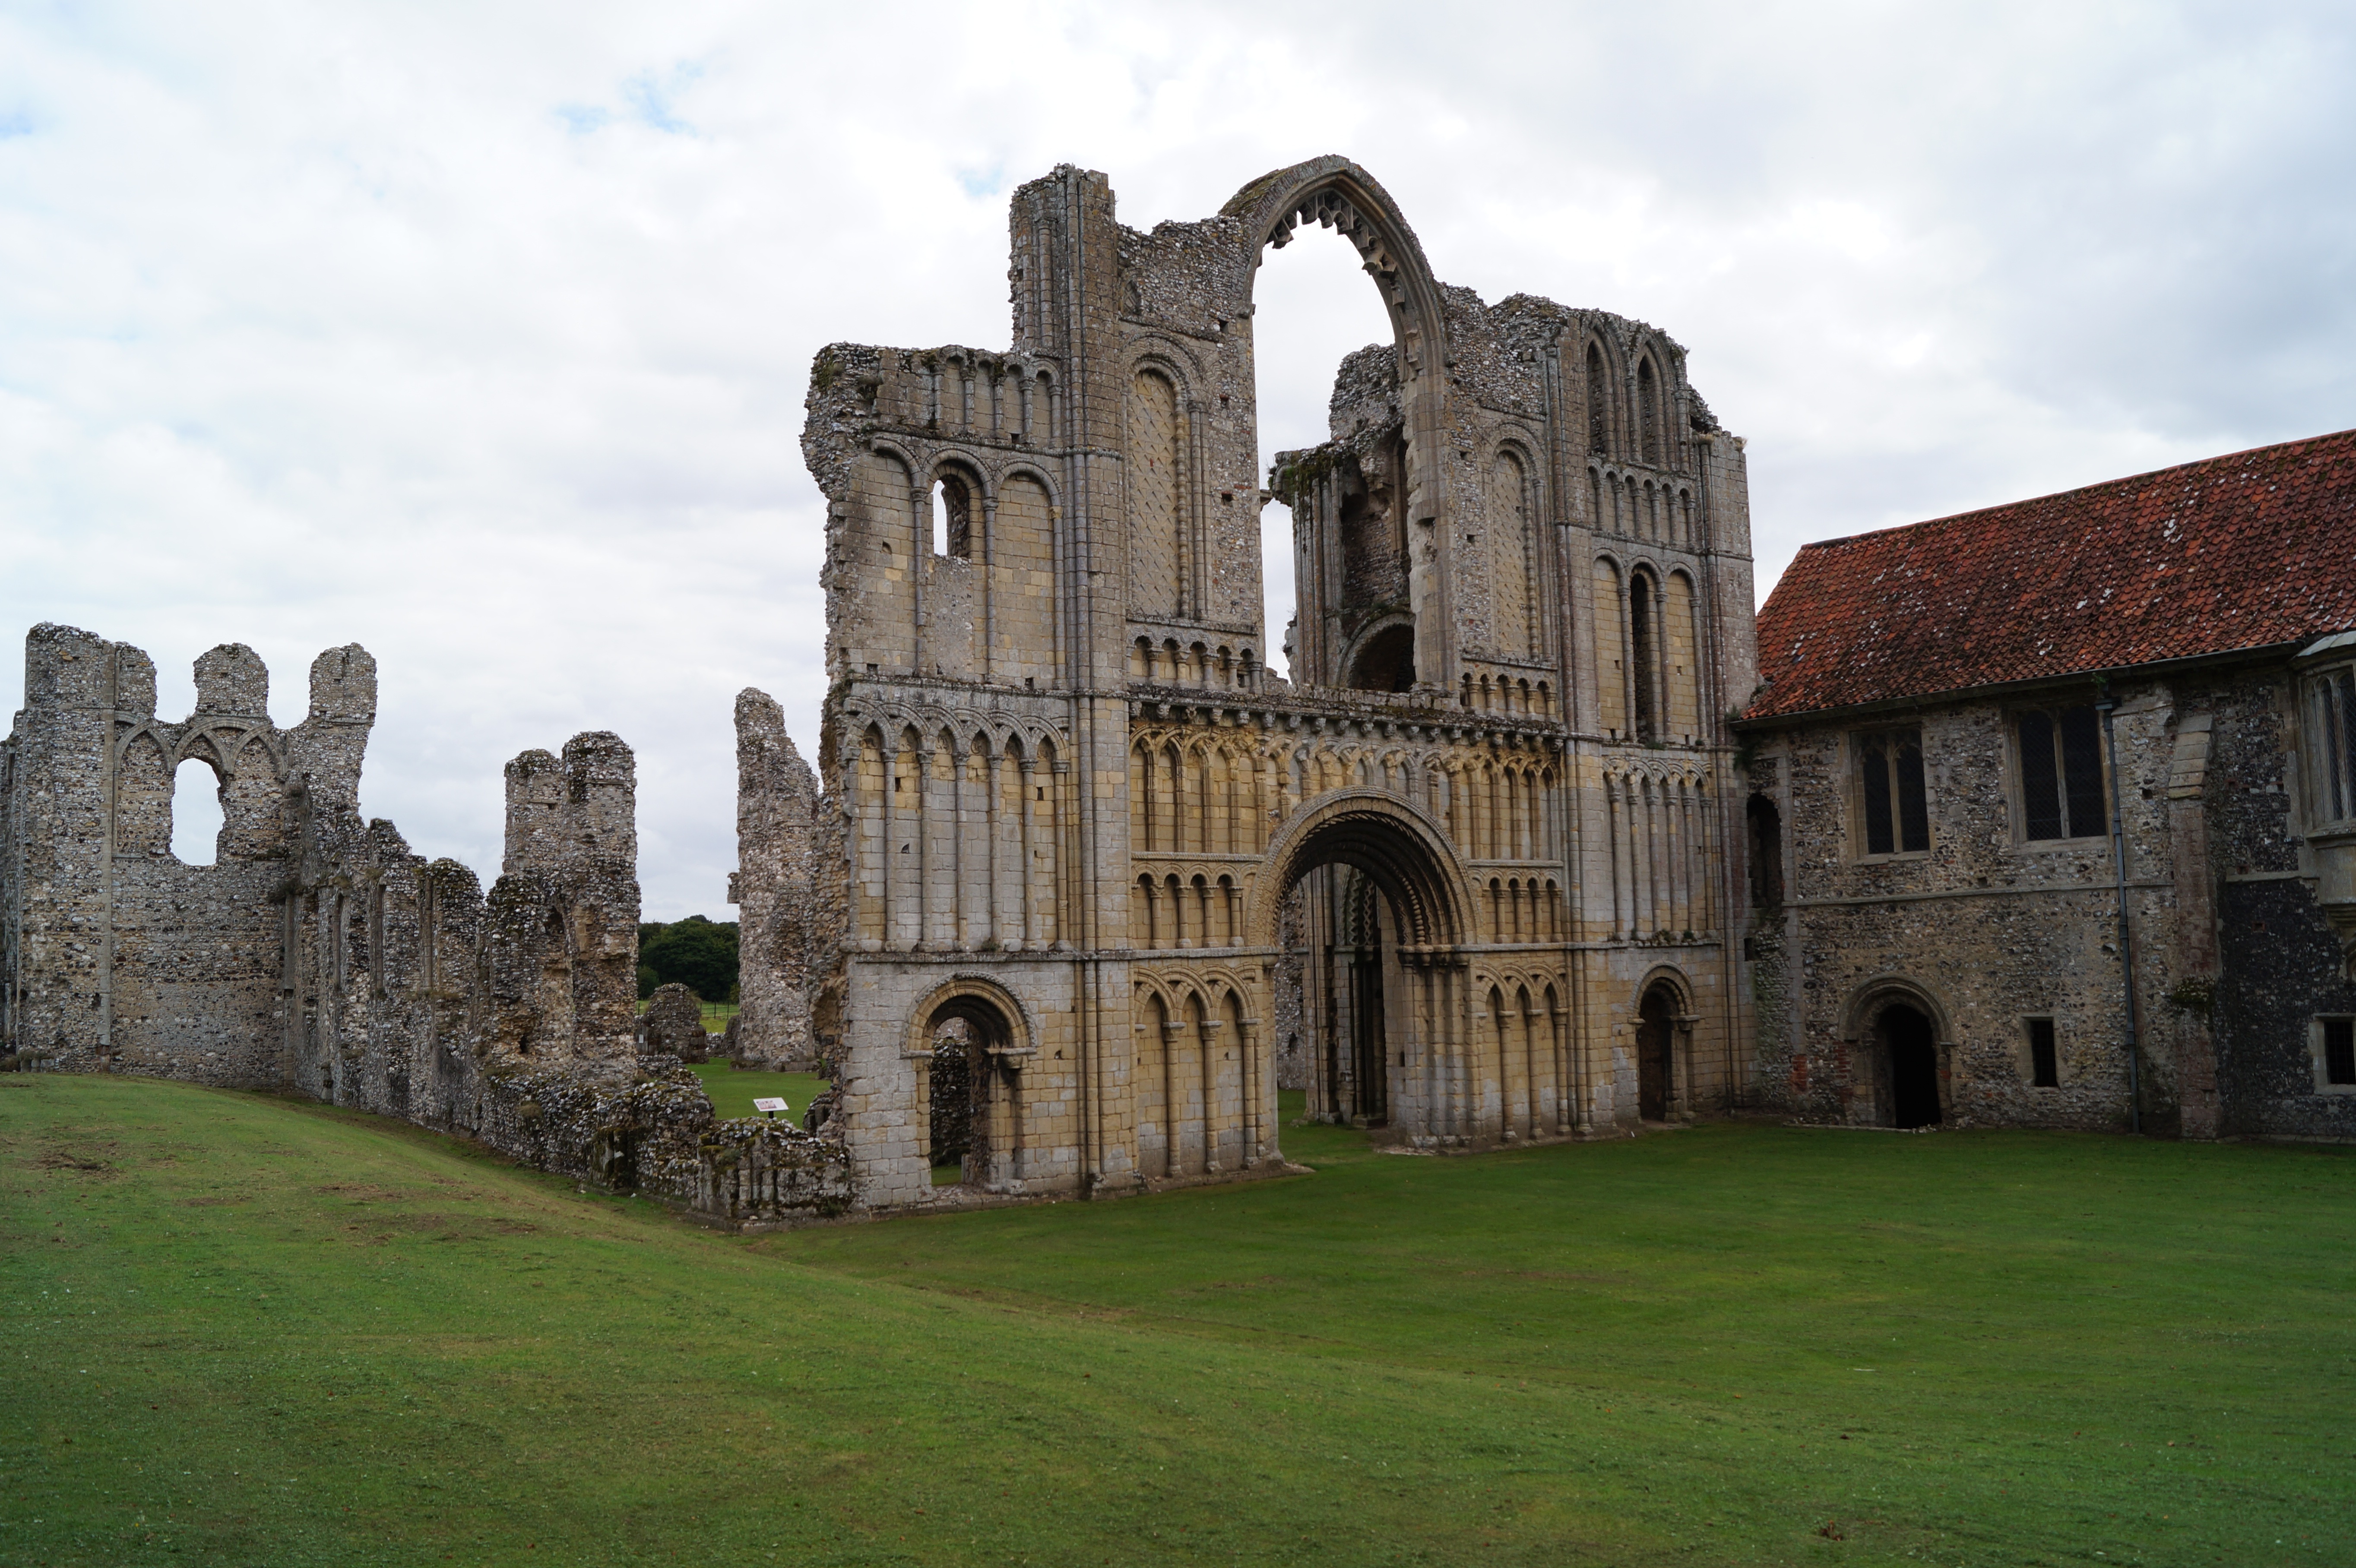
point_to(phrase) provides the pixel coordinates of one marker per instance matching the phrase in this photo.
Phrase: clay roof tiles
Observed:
(2247, 550)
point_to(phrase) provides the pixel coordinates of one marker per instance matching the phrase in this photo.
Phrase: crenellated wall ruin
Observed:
(319, 954)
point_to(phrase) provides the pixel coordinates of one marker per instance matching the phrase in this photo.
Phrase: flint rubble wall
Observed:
(319, 953)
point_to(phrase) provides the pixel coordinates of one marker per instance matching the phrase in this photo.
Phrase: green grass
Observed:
(246, 1330)
(734, 1092)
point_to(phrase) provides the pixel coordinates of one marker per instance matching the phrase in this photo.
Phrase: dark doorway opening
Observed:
(951, 1122)
(1913, 1046)
(1656, 1071)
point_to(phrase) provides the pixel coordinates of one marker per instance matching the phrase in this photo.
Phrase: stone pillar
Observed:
(1207, 1037)
(1681, 1068)
(993, 781)
(1025, 770)
(927, 894)
(1172, 1152)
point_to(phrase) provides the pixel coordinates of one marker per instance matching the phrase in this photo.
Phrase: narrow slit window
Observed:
(2044, 1066)
(2340, 1051)
(1893, 792)
(952, 517)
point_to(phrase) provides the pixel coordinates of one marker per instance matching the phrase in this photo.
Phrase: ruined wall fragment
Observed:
(776, 805)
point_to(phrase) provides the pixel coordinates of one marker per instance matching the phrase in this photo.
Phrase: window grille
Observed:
(1896, 813)
(2062, 773)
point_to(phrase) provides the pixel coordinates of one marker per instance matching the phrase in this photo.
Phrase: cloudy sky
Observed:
(477, 334)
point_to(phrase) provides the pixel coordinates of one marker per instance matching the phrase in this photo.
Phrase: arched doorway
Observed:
(971, 1049)
(1656, 1015)
(1377, 900)
(1911, 1065)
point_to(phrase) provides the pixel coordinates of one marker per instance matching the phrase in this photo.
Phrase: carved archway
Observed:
(1337, 193)
(1896, 1060)
(1395, 843)
(999, 1041)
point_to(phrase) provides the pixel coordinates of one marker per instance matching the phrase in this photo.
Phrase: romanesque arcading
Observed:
(1465, 876)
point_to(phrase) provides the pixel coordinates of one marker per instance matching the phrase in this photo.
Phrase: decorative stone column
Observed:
(1681, 1068)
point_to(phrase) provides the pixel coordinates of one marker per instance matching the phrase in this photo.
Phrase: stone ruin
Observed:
(1074, 885)
(1062, 815)
(1068, 854)
(673, 1025)
(318, 954)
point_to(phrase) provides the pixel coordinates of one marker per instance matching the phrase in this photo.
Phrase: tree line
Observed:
(696, 953)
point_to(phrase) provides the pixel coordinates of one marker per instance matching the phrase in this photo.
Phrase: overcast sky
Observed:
(477, 334)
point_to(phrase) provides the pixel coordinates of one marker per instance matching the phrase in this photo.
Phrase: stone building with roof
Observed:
(1959, 728)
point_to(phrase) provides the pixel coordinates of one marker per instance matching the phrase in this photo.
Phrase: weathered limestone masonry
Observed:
(1930, 763)
(319, 954)
(1477, 841)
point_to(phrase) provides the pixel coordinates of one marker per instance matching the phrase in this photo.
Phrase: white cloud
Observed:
(480, 334)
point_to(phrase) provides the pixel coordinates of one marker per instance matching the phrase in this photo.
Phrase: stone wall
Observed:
(2233, 956)
(776, 812)
(320, 954)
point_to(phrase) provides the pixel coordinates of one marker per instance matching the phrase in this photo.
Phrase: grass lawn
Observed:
(241, 1330)
(733, 1092)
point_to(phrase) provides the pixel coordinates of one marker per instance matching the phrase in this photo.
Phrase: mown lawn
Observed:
(250, 1330)
(732, 1091)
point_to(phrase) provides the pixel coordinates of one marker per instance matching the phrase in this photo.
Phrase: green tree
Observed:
(696, 953)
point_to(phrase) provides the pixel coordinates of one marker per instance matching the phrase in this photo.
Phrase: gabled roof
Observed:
(2243, 551)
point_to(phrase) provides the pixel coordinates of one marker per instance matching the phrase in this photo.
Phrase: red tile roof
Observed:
(2240, 552)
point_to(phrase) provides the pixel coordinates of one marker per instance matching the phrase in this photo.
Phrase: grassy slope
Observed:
(266, 1331)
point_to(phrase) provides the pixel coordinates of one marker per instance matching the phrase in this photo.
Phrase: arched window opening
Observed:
(1643, 657)
(1311, 311)
(1765, 824)
(952, 517)
(1387, 662)
(1648, 424)
(1597, 441)
(197, 815)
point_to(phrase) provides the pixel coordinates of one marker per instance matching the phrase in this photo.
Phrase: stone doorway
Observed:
(1910, 1046)
(1656, 1058)
(1369, 899)
(1350, 948)
(974, 1121)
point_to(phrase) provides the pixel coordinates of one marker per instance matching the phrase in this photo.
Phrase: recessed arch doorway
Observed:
(1898, 1033)
(970, 1043)
(1364, 891)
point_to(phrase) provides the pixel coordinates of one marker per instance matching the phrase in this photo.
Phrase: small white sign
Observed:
(771, 1106)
